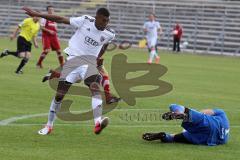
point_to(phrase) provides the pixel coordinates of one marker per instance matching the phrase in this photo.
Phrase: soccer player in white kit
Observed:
(83, 48)
(152, 28)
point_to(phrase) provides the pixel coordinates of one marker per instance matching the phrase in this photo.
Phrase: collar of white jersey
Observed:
(152, 21)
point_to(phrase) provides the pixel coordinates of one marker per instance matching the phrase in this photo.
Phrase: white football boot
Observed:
(46, 130)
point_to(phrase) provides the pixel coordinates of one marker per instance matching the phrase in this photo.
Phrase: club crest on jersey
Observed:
(88, 29)
(102, 39)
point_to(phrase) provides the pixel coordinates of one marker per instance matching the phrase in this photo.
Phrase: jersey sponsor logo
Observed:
(90, 41)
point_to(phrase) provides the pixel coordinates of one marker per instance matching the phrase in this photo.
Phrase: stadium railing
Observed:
(210, 26)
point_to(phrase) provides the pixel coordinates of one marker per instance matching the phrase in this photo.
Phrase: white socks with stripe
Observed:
(54, 107)
(97, 108)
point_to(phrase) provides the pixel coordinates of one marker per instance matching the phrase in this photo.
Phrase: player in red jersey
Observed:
(177, 35)
(49, 39)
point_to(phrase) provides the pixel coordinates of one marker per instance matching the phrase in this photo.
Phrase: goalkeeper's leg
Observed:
(165, 137)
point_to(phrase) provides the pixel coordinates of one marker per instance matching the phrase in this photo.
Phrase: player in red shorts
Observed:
(49, 39)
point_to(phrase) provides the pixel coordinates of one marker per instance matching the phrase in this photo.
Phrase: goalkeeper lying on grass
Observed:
(208, 127)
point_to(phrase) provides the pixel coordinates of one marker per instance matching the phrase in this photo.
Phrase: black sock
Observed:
(22, 64)
(13, 53)
(179, 138)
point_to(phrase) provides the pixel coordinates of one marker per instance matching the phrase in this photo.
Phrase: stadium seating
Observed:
(210, 26)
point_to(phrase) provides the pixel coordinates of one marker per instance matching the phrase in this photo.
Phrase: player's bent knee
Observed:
(62, 89)
(25, 59)
(93, 79)
(22, 54)
(27, 55)
(46, 51)
(59, 52)
(59, 97)
(93, 82)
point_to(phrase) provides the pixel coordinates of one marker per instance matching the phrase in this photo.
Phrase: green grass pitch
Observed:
(199, 81)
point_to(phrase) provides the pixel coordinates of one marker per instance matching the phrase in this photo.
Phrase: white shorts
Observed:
(152, 42)
(79, 68)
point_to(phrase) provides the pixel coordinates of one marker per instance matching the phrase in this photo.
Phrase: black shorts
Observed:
(23, 45)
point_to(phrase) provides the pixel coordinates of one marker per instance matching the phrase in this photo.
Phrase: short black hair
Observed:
(50, 6)
(103, 11)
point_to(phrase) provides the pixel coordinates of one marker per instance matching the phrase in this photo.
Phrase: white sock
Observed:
(54, 107)
(152, 54)
(97, 108)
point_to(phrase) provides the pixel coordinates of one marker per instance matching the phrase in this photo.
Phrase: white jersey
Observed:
(152, 29)
(87, 40)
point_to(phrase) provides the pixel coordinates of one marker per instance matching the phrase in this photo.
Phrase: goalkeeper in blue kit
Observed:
(208, 127)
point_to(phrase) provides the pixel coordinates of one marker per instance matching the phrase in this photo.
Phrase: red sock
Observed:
(41, 58)
(60, 59)
(106, 86)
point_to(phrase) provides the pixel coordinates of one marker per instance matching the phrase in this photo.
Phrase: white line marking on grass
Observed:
(89, 125)
(16, 118)
(13, 119)
(111, 125)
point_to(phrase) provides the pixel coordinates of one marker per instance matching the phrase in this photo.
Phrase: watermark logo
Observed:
(120, 69)
(122, 84)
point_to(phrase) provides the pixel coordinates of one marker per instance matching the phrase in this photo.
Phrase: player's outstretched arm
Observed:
(51, 17)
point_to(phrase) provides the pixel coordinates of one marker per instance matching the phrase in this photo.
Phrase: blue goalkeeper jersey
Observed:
(207, 129)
